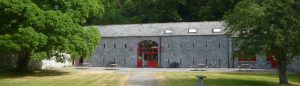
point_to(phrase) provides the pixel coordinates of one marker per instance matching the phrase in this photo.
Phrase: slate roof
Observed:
(158, 29)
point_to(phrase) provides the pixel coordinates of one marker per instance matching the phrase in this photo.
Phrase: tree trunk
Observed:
(282, 71)
(23, 61)
(81, 61)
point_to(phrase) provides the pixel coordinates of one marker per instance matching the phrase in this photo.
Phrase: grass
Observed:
(223, 79)
(69, 77)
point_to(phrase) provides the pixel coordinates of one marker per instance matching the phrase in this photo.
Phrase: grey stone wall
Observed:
(213, 50)
(186, 50)
(115, 51)
(192, 50)
(9, 61)
(294, 66)
(260, 63)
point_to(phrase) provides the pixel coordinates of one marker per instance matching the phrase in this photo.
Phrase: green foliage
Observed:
(267, 26)
(49, 28)
(79, 10)
(148, 11)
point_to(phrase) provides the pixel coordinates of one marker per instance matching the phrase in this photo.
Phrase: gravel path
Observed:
(141, 79)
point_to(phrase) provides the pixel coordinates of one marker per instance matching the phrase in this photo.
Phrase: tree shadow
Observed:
(250, 74)
(35, 73)
(242, 82)
(236, 82)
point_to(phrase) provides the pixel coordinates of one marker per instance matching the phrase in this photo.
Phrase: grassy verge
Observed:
(223, 79)
(70, 77)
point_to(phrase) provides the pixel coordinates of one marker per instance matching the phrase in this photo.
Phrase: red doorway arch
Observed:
(147, 54)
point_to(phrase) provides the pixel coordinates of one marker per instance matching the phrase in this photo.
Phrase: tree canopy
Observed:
(149, 11)
(267, 26)
(39, 29)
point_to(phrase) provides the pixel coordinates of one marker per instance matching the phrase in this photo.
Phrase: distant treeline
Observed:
(149, 11)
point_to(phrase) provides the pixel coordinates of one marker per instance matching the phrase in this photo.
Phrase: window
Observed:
(115, 45)
(216, 30)
(192, 30)
(180, 61)
(168, 31)
(219, 45)
(205, 45)
(103, 45)
(193, 45)
(125, 45)
(193, 61)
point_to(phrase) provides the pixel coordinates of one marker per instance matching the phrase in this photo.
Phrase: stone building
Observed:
(162, 44)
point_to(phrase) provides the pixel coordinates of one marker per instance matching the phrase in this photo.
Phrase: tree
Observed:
(267, 26)
(149, 11)
(35, 31)
(206, 10)
(112, 14)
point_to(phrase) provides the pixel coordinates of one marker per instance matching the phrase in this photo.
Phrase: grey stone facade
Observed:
(186, 50)
(120, 43)
(203, 46)
(294, 66)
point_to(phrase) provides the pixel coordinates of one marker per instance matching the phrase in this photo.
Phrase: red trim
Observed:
(271, 58)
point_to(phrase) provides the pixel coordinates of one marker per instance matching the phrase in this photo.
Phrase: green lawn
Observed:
(223, 79)
(69, 77)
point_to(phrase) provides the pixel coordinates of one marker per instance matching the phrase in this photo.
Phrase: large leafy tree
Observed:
(39, 29)
(267, 26)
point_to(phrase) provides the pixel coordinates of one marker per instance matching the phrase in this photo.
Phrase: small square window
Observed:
(192, 30)
(216, 30)
(168, 31)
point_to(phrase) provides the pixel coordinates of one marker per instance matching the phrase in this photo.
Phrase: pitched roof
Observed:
(159, 29)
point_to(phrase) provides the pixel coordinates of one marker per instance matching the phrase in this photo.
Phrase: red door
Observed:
(147, 56)
(152, 59)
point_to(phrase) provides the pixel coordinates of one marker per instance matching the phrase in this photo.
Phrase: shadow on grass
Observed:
(291, 77)
(236, 82)
(219, 82)
(35, 73)
(250, 74)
